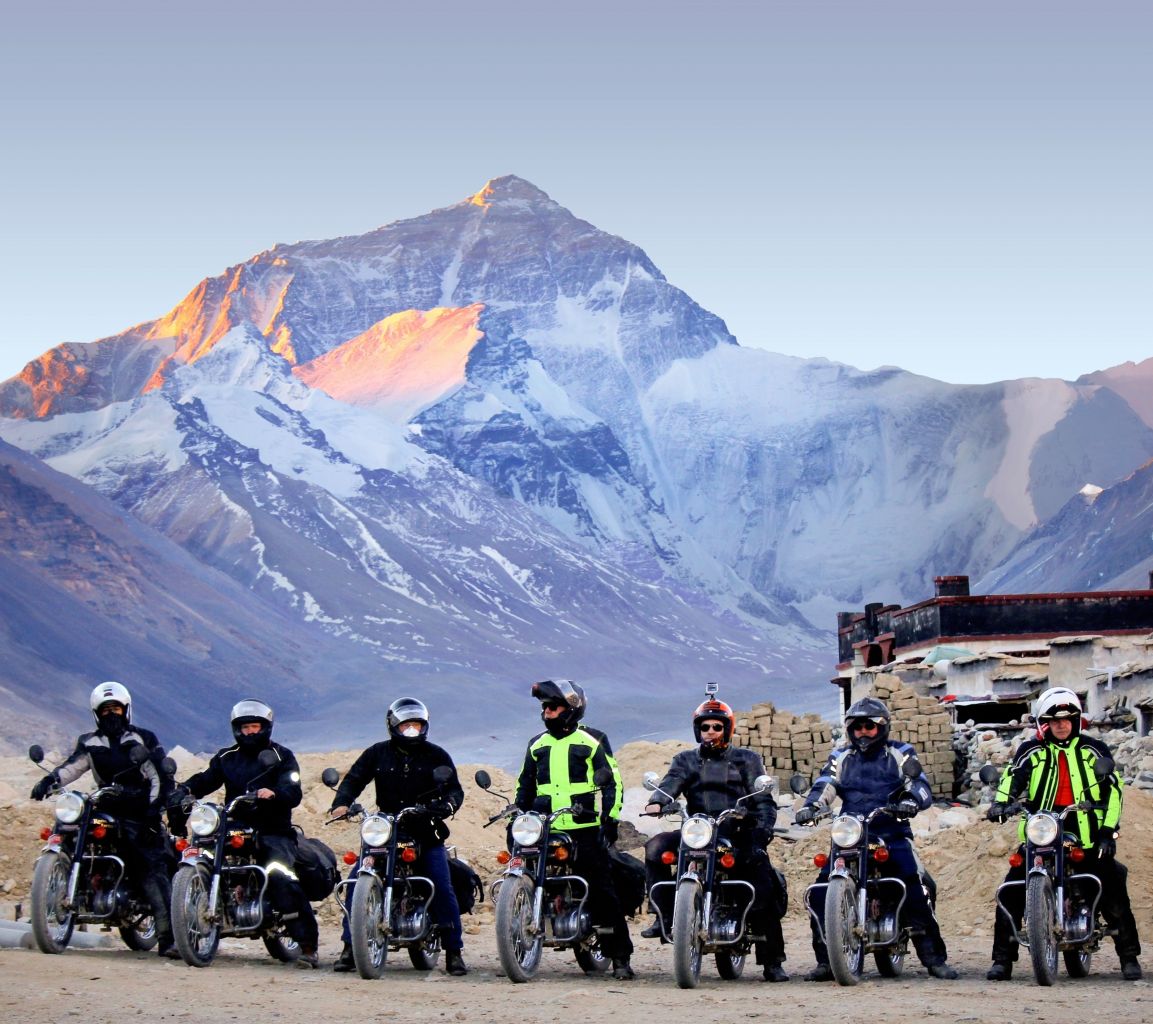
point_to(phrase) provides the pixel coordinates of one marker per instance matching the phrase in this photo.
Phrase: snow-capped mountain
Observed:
(495, 435)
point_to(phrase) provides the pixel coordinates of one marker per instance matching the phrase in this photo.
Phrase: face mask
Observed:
(409, 729)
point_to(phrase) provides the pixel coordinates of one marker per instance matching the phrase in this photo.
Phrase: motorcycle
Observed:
(1060, 903)
(220, 888)
(391, 904)
(79, 878)
(862, 908)
(539, 900)
(710, 908)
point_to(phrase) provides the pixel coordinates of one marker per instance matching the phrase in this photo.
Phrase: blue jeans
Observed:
(433, 863)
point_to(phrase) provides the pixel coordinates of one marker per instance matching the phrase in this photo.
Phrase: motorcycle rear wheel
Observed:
(367, 925)
(687, 935)
(51, 924)
(425, 955)
(196, 937)
(591, 959)
(891, 961)
(1040, 928)
(518, 942)
(140, 935)
(282, 948)
(730, 966)
(842, 931)
(1078, 962)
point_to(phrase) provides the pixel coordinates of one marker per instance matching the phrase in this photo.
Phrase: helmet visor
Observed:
(252, 709)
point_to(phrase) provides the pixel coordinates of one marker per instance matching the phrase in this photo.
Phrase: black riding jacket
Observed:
(239, 771)
(713, 780)
(108, 760)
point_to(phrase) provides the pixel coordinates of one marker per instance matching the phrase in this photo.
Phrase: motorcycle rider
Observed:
(558, 771)
(106, 753)
(277, 790)
(1050, 772)
(402, 768)
(713, 777)
(865, 772)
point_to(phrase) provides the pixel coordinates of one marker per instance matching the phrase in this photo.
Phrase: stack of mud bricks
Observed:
(923, 722)
(786, 742)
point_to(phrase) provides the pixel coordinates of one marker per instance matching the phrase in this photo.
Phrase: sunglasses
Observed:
(554, 705)
(710, 727)
(864, 726)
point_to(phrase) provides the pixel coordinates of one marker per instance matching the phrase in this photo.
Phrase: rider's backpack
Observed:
(628, 880)
(315, 868)
(466, 884)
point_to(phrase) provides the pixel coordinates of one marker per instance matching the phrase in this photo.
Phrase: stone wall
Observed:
(786, 742)
(926, 724)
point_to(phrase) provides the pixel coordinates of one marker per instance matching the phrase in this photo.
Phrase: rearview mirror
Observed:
(988, 774)
(798, 783)
(36, 752)
(1103, 767)
(267, 758)
(911, 768)
(330, 777)
(762, 783)
(442, 774)
(602, 777)
(137, 753)
(168, 767)
(482, 779)
(650, 781)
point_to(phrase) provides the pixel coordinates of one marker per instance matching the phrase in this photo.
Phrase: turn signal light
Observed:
(181, 844)
(821, 860)
(236, 842)
(668, 857)
(1016, 860)
(349, 857)
(881, 854)
(560, 853)
(45, 832)
(408, 855)
(99, 831)
(503, 857)
(1076, 854)
(727, 860)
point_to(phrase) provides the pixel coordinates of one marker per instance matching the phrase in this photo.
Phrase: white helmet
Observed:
(110, 692)
(248, 711)
(1054, 703)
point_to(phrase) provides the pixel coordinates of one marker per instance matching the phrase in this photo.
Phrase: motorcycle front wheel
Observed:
(842, 931)
(1040, 928)
(51, 924)
(519, 941)
(687, 935)
(367, 925)
(140, 935)
(197, 938)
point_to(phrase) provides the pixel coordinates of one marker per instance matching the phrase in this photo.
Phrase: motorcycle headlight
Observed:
(1042, 829)
(69, 807)
(376, 830)
(697, 833)
(527, 829)
(203, 819)
(846, 830)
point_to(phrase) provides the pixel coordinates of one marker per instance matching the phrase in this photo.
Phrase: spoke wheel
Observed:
(891, 961)
(282, 948)
(369, 937)
(197, 938)
(687, 944)
(140, 934)
(592, 959)
(518, 941)
(1040, 927)
(425, 955)
(51, 924)
(730, 966)
(842, 932)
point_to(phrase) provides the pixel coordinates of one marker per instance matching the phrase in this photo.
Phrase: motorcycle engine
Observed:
(248, 914)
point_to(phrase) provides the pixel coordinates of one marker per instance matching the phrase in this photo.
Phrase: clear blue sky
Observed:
(958, 188)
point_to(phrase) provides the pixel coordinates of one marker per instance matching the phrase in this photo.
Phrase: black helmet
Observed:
(407, 709)
(714, 710)
(566, 693)
(245, 713)
(868, 709)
